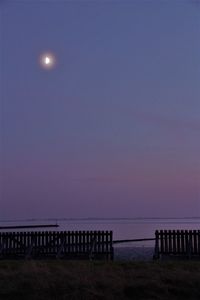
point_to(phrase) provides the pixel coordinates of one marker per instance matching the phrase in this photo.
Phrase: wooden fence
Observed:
(177, 242)
(57, 244)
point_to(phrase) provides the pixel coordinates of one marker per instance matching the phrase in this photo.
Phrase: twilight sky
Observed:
(111, 131)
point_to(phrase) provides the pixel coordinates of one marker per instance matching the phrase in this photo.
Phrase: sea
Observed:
(122, 228)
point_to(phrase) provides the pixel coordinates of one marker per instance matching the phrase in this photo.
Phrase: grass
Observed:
(83, 280)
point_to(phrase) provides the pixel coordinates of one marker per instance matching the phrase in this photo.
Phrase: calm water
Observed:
(122, 228)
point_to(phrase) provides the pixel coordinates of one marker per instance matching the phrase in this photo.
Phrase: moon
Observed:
(47, 60)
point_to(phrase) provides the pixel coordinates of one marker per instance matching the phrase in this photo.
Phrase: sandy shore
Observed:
(133, 253)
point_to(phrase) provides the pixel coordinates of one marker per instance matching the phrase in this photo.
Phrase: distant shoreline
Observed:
(104, 219)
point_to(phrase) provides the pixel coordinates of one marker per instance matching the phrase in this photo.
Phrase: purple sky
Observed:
(113, 130)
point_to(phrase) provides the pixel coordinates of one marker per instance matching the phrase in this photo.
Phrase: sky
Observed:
(112, 130)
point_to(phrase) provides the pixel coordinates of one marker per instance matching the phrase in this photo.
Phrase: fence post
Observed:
(189, 246)
(156, 251)
(111, 246)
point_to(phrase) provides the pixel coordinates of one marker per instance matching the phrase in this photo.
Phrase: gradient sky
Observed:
(113, 130)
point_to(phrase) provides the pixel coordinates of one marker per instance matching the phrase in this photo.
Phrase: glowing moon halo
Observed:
(47, 60)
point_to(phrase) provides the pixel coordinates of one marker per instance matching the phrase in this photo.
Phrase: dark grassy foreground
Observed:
(99, 280)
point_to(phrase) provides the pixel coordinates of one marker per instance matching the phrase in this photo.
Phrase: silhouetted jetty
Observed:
(29, 226)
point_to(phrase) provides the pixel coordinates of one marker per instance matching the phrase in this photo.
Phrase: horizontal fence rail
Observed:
(177, 242)
(57, 244)
(133, 240)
